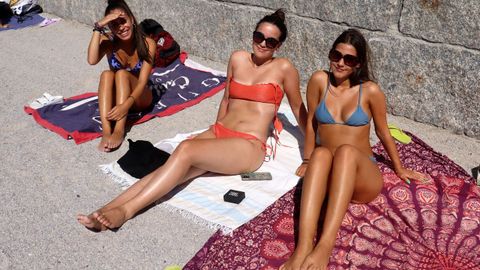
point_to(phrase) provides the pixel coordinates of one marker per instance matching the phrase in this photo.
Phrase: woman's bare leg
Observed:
(125, 82)
(314, 188)
(90, 221)
(217, 155)
(123, 89)
(105, 104)
(354, 177)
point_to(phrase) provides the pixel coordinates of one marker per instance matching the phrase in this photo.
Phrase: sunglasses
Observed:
(348, 59)
(270, 42)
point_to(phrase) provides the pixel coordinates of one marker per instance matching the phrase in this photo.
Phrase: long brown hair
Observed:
(356, 39)
(139, 37)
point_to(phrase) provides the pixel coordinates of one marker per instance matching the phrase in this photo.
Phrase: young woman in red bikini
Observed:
(124, 86)
(235, 144)
(341, 104)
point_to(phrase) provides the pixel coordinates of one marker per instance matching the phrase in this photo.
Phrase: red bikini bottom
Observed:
(221, 131)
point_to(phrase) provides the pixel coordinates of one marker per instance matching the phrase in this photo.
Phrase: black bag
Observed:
(142, 158)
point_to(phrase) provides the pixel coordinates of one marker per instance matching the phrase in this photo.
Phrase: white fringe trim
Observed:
(123, 182)
(197, 220)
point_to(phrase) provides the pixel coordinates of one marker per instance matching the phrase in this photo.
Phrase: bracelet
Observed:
(98, 28)
(305, 161)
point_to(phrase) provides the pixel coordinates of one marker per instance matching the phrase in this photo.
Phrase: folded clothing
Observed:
(142, 158)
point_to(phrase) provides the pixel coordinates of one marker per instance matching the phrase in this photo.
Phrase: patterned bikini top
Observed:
(115, 64)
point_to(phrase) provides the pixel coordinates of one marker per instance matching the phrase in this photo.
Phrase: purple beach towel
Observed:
(175, 88)
(28, 20)
(433, 225)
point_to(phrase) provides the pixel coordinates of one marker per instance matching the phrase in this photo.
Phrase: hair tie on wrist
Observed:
(98, 28)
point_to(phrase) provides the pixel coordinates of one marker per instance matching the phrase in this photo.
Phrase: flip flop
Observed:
(398, 134)
(48, 21)
(173, 267)
(44, 100)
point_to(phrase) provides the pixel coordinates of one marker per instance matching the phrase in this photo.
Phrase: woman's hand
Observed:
(118, 112)
(301, 169)
(115, 14)
(408, 175)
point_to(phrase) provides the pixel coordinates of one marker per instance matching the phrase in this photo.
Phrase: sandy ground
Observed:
(46, 180)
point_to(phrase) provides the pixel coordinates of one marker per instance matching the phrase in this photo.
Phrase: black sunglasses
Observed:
(270, 42)
(348, 59)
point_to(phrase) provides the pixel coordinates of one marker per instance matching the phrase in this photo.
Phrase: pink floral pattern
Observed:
(433, 225)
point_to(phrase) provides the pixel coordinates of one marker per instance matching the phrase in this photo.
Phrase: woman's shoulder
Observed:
(285, 65)
(239, 54)
(319, 76)
(371, 87)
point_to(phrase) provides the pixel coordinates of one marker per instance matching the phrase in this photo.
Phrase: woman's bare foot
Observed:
(115, 140)
(318, 259)
(103, 145)
(113, 218)
(91, 222)
(297, 258)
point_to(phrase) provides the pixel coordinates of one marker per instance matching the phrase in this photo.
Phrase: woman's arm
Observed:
(97, 48)
(291, 86)
(144, 74)
(378, 107)
(222, 110)
(313, 98)
(99, 43)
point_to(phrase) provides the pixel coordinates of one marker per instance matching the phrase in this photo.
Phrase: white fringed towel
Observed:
(202, 199)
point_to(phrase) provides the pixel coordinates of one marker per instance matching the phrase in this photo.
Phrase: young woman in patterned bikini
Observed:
(256, 83)
(124, 86)
(341, 104)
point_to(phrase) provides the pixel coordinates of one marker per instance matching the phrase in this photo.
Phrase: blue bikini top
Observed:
(115, 64)
(358, 117)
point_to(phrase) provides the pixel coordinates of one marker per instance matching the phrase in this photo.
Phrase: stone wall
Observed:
(426, 53)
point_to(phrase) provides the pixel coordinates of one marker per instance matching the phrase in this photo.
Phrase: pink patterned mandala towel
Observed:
(435, 225)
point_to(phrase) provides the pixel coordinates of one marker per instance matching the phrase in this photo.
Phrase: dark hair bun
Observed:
(110, 2)
(277, 18)
(279, 13)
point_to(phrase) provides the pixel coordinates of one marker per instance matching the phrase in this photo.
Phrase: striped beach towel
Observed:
(202, 198)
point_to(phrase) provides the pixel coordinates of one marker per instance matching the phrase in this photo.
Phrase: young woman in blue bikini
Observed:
(256, 84)
(341, 104)
(124, 86)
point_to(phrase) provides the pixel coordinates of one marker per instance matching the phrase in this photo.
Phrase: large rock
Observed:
(370, 14)
(455, 22)
(269, 4)
(429, 83)
(85, 11)
(308, 45)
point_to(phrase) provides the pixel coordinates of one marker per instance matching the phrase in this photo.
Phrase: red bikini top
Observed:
(261, 92)
(264, 92)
